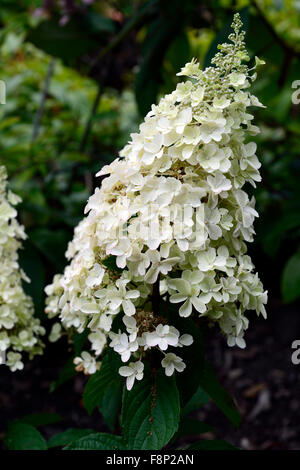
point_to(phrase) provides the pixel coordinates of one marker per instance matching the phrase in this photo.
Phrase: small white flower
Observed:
(98, 341)
(134, 371)
(236, 340)
(13, 361)
(95, 276)
(122, 297)
(188, 291)
(183, 118)
(105, 322)
(185, 340)
(4, 341)
(55, 333)
(197, 96)
(221, 102)
(158, 265)
(237, 79)
(218, 183)
(86, 363)
(122, 251)
(124, 346)
(131, 327)
(212, 127)
(163, 336)
(172, 362)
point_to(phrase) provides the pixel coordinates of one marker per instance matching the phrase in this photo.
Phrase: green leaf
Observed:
(22, 436)
(222, 399)
(214, 444)
(199, 399)
(99, 441)
(104, 389)
(179, 53)
(273, 230)
(150, 413)
(41, 419)
(160, 36)
(67, 437)
(66, 42)
(8, 122)
(68, 371)
(193, 356)
(31, 263)
(52, 244)
(97, 23)
(191, 427)
(290, 283)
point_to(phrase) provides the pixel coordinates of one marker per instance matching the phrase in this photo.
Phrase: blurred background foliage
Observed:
(80, 76)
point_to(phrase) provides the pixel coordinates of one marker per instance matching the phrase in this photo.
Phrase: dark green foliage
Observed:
(104, 389)
(218, 394)
(66, 438)
(150, 413)
(59, 42)
(67, 373)
(291, 278)
(41, 419)
(22, 436)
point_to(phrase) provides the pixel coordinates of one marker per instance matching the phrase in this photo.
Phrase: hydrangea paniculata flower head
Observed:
(170, 222)
(19, 331)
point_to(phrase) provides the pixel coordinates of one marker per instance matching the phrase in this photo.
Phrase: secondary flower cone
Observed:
(171, 220)
(19, 331)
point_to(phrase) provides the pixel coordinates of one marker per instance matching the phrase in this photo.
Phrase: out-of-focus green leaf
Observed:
(179, 51)
(52, 243)
(66, 42)
(68, 437)
(22, 436)
(199, 399)
(290, 283)
(41, 419)
(30, 261)
(104, 389)
(97, 23)
(67, 373)
(273, 230)
(160, 35)
(222, 399)
(191, 427)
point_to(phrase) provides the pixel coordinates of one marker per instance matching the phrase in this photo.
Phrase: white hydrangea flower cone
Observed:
(19, 331)
(171, 221)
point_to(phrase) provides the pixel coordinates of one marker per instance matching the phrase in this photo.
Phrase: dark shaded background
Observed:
(80, 75)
